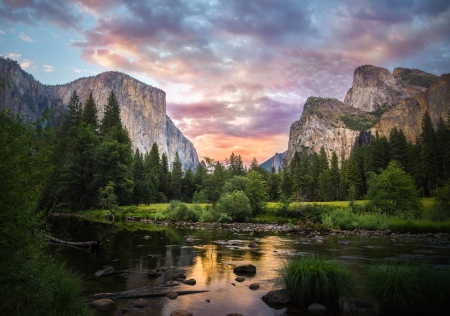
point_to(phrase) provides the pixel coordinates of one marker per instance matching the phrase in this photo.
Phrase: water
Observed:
(210, 261)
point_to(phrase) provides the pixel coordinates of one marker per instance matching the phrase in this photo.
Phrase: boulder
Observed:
(240, 279)
(181, 312)
(254, 286)
(105, 271)
(253, 245)
(190, 282)
(245, 269)
(140, 303)
(276, 297)
(172, 295)
(101, 305)
(316, 308)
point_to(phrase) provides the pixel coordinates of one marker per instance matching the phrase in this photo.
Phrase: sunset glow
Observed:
(236, 73)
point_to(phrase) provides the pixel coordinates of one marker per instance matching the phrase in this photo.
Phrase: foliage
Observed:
(363, 121)
(409, 290)
(181, 212)
(312, 279)
(234, 205)
(440, 210)
(421, 226)
(255, 191)
(392, 192)
(31, 282)
(108, 199)
(347, 219)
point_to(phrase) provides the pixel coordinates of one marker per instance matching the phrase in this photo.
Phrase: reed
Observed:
(312, 279)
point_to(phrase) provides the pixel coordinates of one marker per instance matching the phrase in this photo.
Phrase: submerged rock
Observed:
(276, 297)
(253, 245)
(254, 286)
(181, 312)
(190, 282)
(246, 269)
(316, 308)
(172, 295)
(105, 271)
(240, 279)
(140, 303)
(101, 305)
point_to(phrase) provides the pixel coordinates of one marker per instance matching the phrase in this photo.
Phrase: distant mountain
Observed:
(142, 107)
(276, 161)
(377, 101)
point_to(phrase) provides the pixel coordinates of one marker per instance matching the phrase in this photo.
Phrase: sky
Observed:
(236, 72)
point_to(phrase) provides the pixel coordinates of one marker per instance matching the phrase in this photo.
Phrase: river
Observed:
(210, 261)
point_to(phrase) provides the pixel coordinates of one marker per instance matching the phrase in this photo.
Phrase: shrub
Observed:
(347, 219)
(408, 290)
(235, 205)
(181, 212)
(315, 280)
(224, 218)
(440, 211)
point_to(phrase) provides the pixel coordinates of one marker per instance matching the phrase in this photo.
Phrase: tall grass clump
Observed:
(408, 290)
(312, 279)
(347, 219)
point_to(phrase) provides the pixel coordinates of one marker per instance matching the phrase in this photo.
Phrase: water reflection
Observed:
(209, 260)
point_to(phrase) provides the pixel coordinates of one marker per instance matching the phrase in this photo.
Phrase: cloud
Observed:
(239, 72)
(1, 32)
(25, 38)
(48, 68)
(34, 12)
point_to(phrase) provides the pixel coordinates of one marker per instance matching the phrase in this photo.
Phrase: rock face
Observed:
(408, 113)
(276, 161)
(320, 125)
(377, 101)
(376, 86)
(142, 107)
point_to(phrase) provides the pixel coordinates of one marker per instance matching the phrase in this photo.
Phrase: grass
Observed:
(421, 226)
(408, 290)
(316, 280)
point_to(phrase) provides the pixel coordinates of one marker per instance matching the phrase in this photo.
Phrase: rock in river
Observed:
(277, 297)
(140, 303)
(246, 269)
(181, 312)
(103, 304)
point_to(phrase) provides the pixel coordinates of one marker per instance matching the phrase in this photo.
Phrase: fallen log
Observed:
(83, 244)
(148, 291)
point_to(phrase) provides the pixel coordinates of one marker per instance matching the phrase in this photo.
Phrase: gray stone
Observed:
(179, 276)
(140, 303)
(276, 297)
(240, 279)
(254, 286)
(253, 245)
(103, 304)
(316, 308)
(172, 295)
(181, 312)
(245, 269)
(190, 282)
(105, 271)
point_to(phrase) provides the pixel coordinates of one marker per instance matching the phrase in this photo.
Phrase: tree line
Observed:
(91, 157)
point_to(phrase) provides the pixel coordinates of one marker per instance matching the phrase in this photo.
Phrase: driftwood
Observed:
(83, 244)
(148, 291)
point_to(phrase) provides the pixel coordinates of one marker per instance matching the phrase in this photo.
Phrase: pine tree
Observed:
(273, 185)
(112, 114)
(398, 146)
(89, 114)
(188, 186)
(177, 176)
(428, 154)
(335, 175)
(164, 179)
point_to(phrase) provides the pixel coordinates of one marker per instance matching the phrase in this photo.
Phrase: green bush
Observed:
(181, 212)
(312, 279)
(224, 218)
(440, 211)
(418, 226)
(409, 290)
(235, 205)
(312, 212)
(347, 219)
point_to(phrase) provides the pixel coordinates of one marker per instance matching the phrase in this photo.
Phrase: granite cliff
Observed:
(142, 107)
(276, 161)
(377, 101)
